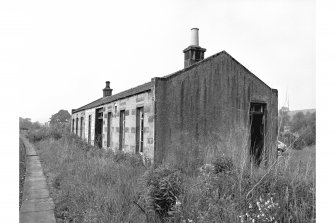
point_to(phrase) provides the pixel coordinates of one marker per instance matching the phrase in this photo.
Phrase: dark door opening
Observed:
(109, 120)
(76, 126)
(89, 129)
(72, 125)
(257, 127)
(81, 126)
(122, 132)
(98, 127)
(139, 130)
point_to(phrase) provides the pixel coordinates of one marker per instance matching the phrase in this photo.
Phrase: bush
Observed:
(162, 188)
(95, 185)
(36, 135)
(223, 164)
(134, 160)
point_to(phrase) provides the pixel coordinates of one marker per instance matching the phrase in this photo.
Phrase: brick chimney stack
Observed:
(107, 91)
(194, 52)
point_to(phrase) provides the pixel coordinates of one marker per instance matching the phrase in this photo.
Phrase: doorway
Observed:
(257, 129)
(98, 127)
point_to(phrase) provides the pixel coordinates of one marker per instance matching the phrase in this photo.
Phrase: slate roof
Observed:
(147, 86)
(101, 101)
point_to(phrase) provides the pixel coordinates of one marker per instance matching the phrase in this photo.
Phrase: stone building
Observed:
(212, 102)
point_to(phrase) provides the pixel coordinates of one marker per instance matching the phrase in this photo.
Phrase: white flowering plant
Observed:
(264, 209)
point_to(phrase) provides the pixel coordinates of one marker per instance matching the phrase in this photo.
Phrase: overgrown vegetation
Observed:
(298, 131)
(94, 185)
(22, 169)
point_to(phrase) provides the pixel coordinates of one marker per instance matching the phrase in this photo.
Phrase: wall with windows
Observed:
(78, 124)
(131, 134)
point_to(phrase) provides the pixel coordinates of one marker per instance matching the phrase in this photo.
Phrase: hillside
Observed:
(292, 113)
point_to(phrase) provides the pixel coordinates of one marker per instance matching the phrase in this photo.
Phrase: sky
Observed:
(58, 54)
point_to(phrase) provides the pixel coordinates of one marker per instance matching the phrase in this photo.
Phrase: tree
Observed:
(305, 126)
(27, 124)
(284, 118)
(299, 122)
(62, 117)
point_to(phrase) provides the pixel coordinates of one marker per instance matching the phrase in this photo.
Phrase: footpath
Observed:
(37, 206)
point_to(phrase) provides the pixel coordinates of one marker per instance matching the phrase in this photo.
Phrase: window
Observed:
(139, 130)
(109, 119)
(122, 132)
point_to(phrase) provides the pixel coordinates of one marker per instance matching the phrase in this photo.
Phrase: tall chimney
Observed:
(194, 52)
(107, 91)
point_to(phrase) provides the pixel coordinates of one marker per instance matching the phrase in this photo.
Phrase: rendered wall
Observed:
(207, 106)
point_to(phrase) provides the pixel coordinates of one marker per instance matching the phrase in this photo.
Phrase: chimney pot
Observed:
(107, 91)
(194, 37)
(194, 53)
(107, 84)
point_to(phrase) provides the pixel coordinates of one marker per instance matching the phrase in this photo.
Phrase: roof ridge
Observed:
(105, 100)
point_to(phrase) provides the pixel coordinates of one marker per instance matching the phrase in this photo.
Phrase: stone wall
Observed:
(129, 104)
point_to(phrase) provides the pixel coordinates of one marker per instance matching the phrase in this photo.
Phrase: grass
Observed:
(93, 185)
(22, 168)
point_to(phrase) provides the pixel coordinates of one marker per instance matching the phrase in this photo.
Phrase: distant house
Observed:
(210, 102)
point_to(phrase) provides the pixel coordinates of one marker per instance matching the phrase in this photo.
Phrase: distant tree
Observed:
(304, 125)
(284, 118)
(298, 122)
(62, 117)
(27, 124)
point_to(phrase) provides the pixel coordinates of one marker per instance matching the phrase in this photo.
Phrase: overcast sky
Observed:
(58, 54)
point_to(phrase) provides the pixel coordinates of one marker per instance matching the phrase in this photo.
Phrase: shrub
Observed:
(36, 135)
(162, 188)
(134, 160)
(223, 164)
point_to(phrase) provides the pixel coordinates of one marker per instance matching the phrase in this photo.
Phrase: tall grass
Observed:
(220, 185)
(88, 184)
(22, 168)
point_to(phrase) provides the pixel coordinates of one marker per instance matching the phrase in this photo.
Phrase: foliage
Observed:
(223, 164)
(22, 155)
(284, 118)
(302, 129)
(305, 127)
(27, 124)
(162, 187)
(44, 133)
(89, 184)
(61, 118)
